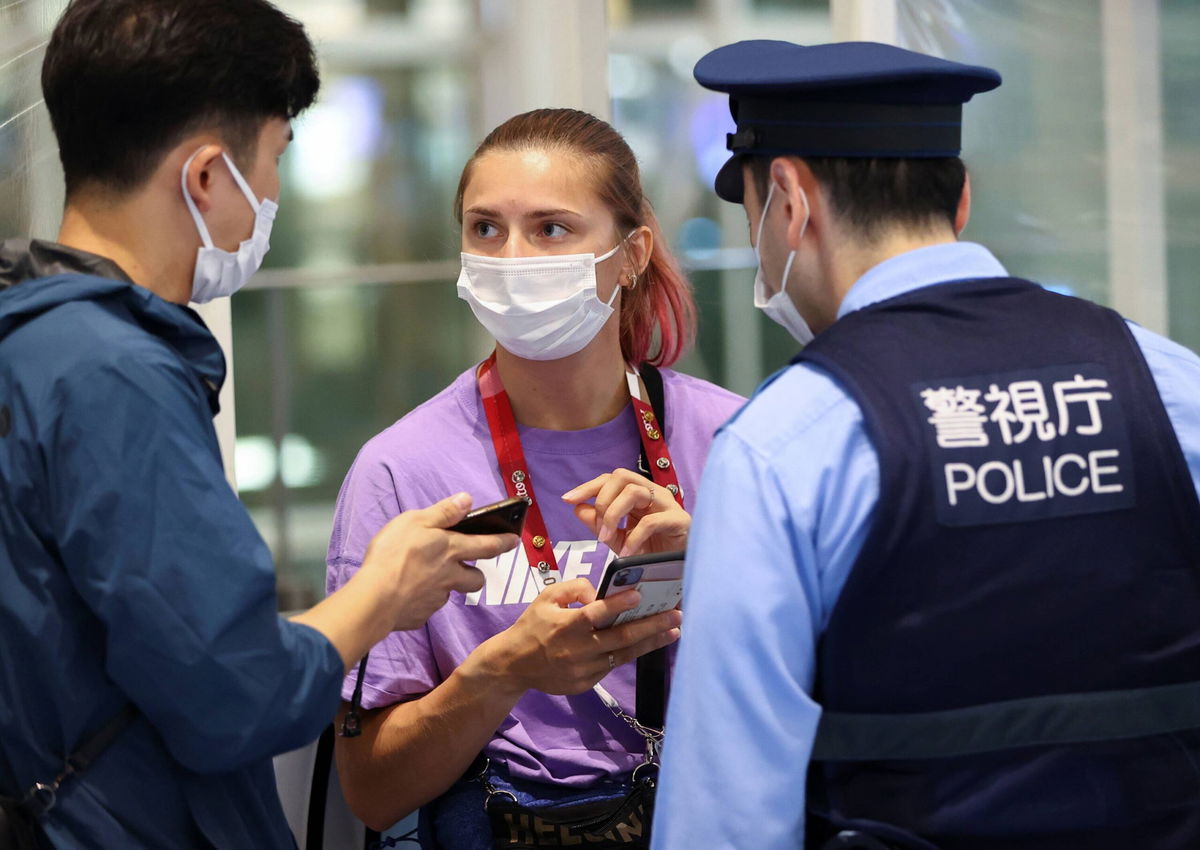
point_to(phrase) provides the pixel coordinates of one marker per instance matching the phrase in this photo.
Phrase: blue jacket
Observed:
(131, 573)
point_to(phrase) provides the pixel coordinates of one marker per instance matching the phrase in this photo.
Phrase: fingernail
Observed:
(462, 501)
(673, 635)
(570, 494)
(604, 533)
(676, 618)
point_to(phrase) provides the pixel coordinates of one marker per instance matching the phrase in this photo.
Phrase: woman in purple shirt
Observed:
(565, 265)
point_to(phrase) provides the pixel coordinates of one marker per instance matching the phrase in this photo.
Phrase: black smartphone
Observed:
(506, 517)
(657, 576)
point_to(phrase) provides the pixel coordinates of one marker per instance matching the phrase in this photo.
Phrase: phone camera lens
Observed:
(627, 577)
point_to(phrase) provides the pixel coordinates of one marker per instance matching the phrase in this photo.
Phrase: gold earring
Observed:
(633, 280)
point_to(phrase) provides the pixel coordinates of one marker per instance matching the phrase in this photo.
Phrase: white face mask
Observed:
(538, 308)
(779, 307)
(220, 273)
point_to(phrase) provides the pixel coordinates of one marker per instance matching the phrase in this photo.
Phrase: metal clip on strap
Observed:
(352, 722)
(652, 737)
(43, 796)
(489, 789)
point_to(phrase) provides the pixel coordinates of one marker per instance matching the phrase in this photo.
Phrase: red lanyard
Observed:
(507, 441)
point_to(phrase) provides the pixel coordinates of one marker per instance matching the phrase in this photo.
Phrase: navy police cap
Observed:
(851, 99)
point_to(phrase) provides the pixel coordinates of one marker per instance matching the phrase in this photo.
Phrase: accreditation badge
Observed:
(1028, 445)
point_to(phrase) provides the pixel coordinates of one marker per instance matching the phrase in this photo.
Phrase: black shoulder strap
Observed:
(650, 709)
(43, 796)
(318, 795)
(652, 378)
(318, 790)
(90, 749)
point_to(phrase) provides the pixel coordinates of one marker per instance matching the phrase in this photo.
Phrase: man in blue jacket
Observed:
(136, 599)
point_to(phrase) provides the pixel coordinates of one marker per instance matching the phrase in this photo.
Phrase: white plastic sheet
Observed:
(1035, 147)
(1088, 155)
(31, 189)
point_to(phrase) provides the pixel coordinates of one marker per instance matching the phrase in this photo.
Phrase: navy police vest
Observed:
(1014, 663)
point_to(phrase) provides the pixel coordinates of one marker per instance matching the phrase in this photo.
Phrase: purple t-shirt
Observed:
(444, 447)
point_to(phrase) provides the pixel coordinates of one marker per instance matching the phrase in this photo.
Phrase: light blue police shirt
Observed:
(785, 503)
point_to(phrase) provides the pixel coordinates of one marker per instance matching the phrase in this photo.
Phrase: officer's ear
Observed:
(199, 178)
(963, 214)
(799, 193)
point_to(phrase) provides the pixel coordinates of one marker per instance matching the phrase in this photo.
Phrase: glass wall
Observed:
(31, 188)
(354, 320)
(677, 129)
(1035, 147)
(1056, 192)
(1180, 23)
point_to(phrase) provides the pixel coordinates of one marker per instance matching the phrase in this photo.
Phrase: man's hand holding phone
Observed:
(424, 560)
(410, 568)
(504, 517)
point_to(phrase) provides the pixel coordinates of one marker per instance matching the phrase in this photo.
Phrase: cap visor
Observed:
(729, 185)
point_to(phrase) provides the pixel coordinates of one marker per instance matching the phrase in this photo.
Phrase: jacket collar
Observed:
(28, 259)
(37, 276)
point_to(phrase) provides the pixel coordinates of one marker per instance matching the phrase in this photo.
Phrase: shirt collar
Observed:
(921, 267)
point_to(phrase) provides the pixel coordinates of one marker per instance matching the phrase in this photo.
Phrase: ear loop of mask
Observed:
(201, 225)
(762, 221)
(787, 269)
(600, 260)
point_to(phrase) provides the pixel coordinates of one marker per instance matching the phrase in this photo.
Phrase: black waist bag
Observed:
(620, 824)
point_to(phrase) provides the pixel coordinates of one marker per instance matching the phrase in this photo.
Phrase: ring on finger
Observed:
(612, 661)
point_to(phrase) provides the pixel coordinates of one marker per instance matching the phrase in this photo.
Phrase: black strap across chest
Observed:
(650, 706)
(43, 796)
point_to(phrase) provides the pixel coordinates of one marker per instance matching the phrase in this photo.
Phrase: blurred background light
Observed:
(298, 462)
(337, 139)
(629, 77)
(711, 121)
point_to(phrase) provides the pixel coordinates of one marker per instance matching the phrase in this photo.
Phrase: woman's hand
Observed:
(654, 521)
(559, 649)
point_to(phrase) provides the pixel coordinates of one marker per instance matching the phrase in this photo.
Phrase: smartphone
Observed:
(657, 576)
(506, 517)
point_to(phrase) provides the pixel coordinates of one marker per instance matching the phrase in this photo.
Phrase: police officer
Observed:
(942, 579)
